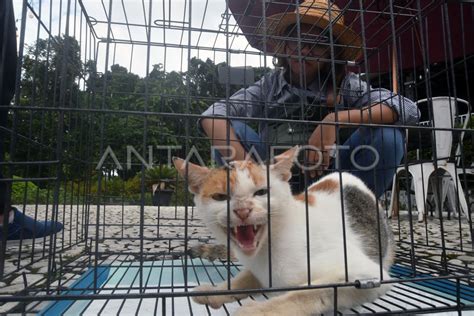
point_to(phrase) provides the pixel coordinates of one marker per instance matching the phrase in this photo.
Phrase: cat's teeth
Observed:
(254, 227)
(235, 230)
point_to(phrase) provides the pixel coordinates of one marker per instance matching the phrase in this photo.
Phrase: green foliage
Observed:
(158, 173)
(116, 190)
(26, 192)
(181, 195)
(113, 190)
(133, 185)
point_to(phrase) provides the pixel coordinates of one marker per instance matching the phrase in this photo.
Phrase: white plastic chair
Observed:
(444, 112)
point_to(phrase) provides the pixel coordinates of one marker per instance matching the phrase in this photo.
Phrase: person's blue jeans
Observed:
(372, 154)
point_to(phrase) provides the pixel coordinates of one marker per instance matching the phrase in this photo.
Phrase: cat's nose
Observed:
(242, 213)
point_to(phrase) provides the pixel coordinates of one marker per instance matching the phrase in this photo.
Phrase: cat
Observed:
(249, 240)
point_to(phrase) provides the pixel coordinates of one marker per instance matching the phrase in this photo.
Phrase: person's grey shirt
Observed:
(273, 97)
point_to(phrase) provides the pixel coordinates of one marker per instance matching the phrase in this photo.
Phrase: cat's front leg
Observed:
(307, 302)
(243, 280)
(283, 306)
(310, 302)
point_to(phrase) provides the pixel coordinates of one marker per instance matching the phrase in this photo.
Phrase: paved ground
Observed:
(164, 234)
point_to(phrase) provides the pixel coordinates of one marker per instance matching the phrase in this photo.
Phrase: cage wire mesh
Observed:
(107, 91)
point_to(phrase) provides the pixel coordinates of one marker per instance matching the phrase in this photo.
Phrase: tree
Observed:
(50, 75)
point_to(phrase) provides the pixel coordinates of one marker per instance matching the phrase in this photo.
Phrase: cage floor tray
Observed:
(166, 276)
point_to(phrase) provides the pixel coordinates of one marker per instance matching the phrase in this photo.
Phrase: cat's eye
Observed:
(219, 196)
(261, 192)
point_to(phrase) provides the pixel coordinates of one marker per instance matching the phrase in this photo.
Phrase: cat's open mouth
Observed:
(247, 237)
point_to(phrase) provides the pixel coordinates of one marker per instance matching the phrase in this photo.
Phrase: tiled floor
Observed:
(164, 233)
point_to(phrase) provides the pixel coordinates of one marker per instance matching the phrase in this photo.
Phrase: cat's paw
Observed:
(215, 301)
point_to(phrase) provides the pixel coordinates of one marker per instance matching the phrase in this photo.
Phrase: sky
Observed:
(205, 14)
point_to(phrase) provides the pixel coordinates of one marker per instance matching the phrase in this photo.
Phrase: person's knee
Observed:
(240, 129)
(249, 139)
(386, 148)
(390, 142)
(389, 136)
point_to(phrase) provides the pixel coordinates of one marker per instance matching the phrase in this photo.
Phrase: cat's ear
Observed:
(195, 175)
(284, 163)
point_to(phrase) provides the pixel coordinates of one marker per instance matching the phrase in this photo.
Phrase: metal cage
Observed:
(103, 93)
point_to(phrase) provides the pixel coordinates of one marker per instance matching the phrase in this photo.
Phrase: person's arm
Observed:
(324, 136)
(216, 130)
(374, 106)
(378, 113)
(244, 103)
(358, 95)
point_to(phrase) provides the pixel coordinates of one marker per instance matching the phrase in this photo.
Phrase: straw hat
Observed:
(316, 13)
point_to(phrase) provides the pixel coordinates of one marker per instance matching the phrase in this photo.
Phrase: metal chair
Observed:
(444, 112)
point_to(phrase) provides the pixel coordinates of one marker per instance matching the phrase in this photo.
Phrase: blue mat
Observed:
(85, 281)
(168, 276)
(446, 288)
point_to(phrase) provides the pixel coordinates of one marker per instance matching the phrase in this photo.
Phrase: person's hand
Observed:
(323, 138)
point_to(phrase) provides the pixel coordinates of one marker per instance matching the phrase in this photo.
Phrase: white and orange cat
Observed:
(249, 237)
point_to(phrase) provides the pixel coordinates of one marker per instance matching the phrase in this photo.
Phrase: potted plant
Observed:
(161, 179)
